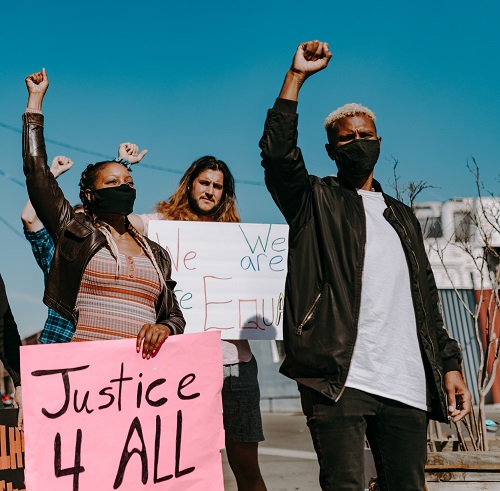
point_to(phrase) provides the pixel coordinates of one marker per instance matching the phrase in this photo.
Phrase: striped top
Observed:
(112, 307)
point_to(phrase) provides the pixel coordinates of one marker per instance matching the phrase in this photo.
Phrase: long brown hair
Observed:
(177, 207)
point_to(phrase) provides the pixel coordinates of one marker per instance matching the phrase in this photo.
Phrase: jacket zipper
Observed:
(308, 315)
(340, 393)
(421, 299)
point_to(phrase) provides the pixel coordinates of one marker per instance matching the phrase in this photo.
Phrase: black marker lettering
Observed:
(126, 454)
(104, 392)
(120, 383)
(178, 438)
(139, 393)
(77, 469)
(157, 453)
(65, 378)
(183, 385)
(161, 400)
(84, 403)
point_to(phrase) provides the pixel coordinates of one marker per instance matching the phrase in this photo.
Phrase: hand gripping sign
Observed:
(230, 276)
(97, 416)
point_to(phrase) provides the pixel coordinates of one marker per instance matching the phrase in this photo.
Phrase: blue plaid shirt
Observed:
(57, 329)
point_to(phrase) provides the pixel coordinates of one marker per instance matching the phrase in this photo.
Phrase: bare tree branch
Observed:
(406, 192)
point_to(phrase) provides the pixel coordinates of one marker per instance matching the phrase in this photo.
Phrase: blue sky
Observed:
(186, 80)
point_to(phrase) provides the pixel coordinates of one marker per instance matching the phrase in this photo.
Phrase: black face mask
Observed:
(357, 158)
(118, 200)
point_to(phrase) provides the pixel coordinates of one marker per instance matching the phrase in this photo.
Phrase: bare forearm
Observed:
(37, 85)
(310, 58)
(35, 101)
(291, 86)
(60, 165)
(30, 218)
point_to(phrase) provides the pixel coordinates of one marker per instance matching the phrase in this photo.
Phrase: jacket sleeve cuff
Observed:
(35, 236)
(285, 106)
(33, 118)
(452, 364)
(171, 325)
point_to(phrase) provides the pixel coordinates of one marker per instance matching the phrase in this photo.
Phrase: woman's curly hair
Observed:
(177, 207)
(87, 181)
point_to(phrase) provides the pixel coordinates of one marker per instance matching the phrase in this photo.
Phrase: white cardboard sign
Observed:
(230, 276)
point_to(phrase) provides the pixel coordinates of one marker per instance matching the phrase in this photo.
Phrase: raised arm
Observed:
(60, 165)
(130, 152)
(37, 85)
(45, 195)
(286, 176)
(310, 58)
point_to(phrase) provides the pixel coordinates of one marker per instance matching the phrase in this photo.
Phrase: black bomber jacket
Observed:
(75, 237)
(327, 238)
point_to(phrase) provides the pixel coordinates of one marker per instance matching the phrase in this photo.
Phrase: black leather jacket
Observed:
(325, 265)
(10, 340)
(75, 237)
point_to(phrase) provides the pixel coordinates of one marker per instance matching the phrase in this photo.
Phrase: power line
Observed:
(11, 128)
(162, 169)
(107, 156)
(248, 181)
(61, 144)
(11, 178)
(11, 227)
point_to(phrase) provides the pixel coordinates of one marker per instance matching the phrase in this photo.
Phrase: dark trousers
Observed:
(397, 434)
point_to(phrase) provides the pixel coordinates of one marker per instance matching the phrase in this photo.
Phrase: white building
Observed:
(462, 237)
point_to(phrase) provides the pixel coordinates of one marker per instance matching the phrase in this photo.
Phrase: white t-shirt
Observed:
(386, 359)
(237, 351)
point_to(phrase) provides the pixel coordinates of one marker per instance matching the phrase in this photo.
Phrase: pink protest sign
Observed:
(99, 417)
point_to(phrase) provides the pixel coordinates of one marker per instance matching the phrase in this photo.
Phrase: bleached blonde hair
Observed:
(351, 109)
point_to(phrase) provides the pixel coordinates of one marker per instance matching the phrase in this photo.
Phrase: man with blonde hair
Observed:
(363, 334)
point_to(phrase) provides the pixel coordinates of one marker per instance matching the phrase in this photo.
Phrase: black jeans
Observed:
(397, 434)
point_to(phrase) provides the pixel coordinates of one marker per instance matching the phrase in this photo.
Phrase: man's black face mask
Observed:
(357, 158)
(118, 200)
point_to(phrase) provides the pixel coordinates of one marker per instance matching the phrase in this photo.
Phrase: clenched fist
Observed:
(311, 57)
(37, 85)
(60, 165)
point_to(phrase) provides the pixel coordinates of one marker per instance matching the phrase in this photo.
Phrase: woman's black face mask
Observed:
(357, 158)
(118, 200)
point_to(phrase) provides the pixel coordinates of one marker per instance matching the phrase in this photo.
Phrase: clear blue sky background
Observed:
(196, 78)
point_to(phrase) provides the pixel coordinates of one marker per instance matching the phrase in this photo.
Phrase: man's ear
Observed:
(379, 138)
(330, 150)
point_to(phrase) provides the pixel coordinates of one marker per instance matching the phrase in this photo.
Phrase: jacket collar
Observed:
(342, 181)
